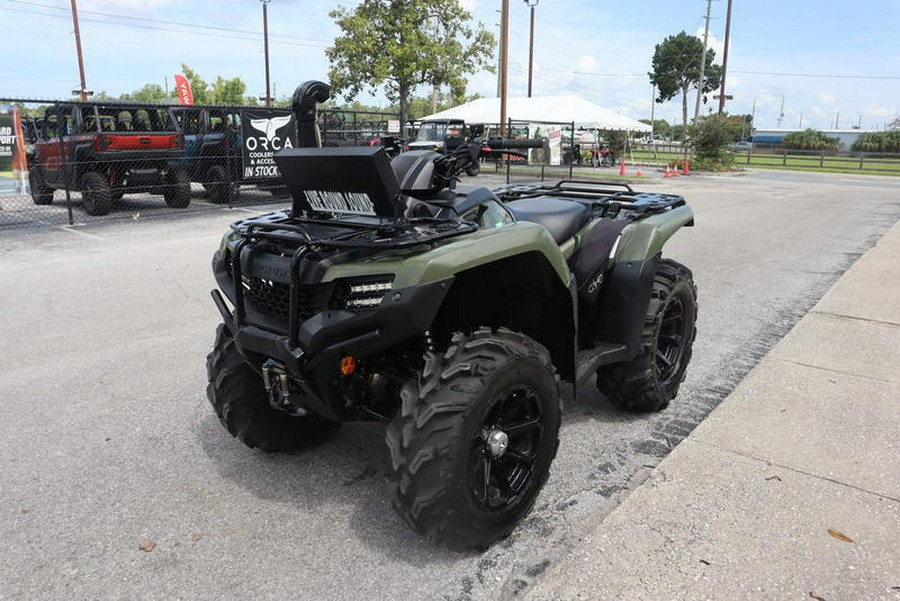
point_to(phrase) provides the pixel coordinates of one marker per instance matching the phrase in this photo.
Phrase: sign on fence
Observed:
(13, 172)
(264, 132)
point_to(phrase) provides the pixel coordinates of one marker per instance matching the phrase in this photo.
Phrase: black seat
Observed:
(562, 218)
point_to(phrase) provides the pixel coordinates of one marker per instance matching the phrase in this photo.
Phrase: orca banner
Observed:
(263, 133)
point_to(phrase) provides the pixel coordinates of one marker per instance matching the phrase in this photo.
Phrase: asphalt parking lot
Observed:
(108, 443)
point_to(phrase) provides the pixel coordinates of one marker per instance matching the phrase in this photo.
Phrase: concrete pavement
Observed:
(790, 489)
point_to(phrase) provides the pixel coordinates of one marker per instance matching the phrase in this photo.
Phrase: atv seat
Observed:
(561, 218)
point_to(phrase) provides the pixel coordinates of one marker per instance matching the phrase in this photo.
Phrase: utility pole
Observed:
(504, 63)
(265, 4)
(703, 59)
(532, 4)
(725, 59)
(652, 112)
(83, 90)
(499, 53)
(781, 112)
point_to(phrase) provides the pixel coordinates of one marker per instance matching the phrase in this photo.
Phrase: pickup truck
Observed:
(106, 150)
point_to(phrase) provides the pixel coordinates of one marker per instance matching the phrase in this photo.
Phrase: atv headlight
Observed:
(361, 294)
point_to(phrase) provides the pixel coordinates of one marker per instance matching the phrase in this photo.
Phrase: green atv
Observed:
(387, 293)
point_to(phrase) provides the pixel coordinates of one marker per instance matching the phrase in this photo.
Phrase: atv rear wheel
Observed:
(41, 193)
(240, 400)
(472, 444)
(218, 185)
(651, 380)
(177, 191)
(96, 197)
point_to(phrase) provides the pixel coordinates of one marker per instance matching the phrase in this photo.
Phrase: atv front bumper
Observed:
(312, 354)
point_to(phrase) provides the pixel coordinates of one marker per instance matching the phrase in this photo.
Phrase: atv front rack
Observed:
(316, 244)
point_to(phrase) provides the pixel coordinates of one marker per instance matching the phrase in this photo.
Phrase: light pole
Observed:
(722, 96)
(265, 4)
(531, 4)
(504, 63)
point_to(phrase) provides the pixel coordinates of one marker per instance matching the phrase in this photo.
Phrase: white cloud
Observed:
(881, 112)
(826, 98)
(587, 63)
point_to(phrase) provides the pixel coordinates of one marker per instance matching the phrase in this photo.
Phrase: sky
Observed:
(827, 63)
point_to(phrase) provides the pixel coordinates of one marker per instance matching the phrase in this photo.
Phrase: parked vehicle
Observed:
(433, 135)
(106, 150)
(385, 292)
(602, 157)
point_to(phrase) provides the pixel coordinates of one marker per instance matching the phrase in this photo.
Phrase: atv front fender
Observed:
(626, 295)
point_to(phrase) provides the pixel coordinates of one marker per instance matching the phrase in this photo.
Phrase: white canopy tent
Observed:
(558, 109)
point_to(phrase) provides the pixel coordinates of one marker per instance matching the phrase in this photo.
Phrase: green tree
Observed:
(879, 141)
(222, 91)
(661, 127)
(229, 91)
(676, 69)
(150, 92)
(709, 140)
(810, 139)
(402, 44)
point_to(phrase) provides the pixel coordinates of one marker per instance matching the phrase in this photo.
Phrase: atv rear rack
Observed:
(608, 198)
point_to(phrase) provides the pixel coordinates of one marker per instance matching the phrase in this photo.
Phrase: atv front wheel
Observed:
(472, 444)
(651, 380)
(239, 397)
(177, 191)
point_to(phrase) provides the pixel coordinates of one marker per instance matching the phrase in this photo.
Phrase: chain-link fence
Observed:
(356, 128)
(63, 162)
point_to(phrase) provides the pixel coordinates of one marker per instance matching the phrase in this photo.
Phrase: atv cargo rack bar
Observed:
(381, 235)
(609, 197)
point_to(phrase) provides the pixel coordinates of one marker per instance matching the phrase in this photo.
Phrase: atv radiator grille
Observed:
(274, 298)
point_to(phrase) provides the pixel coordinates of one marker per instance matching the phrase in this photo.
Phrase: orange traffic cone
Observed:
(640, 171)
(675, 170)
(667, 174)
(687, 167)
(622, 168)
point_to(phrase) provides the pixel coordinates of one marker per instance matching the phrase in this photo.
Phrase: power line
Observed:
(294, 39)
(821, 75)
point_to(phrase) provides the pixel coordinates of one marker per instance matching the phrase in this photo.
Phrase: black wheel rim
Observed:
(500, 478)
(670, 342)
